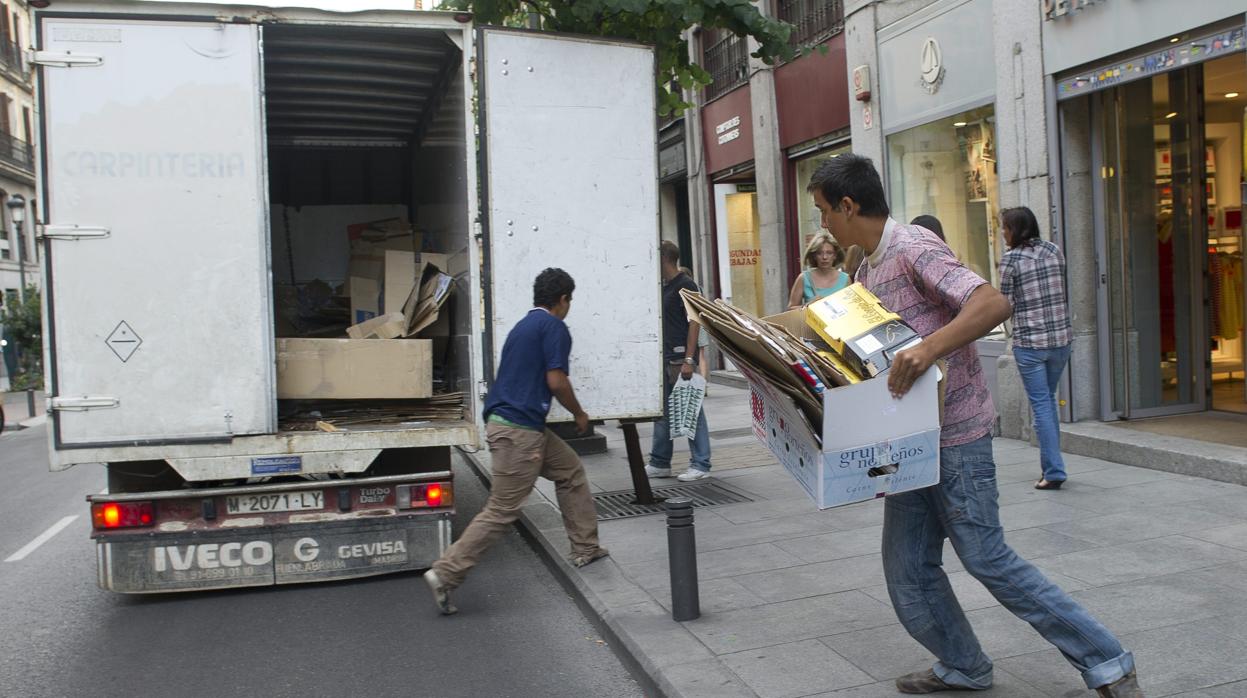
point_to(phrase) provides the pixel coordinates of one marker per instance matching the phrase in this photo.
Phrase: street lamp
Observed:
(17, 211)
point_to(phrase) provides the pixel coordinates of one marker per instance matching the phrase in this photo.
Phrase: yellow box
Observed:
(856, 326)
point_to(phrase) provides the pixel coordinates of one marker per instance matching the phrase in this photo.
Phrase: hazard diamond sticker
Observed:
(124, 341)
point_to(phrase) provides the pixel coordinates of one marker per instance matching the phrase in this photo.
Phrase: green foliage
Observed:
(660, 23)
(23, 325)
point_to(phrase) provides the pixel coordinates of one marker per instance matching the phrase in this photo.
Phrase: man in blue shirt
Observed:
(533, 368)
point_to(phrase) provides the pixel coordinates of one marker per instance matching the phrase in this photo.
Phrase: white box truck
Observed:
(194, 157)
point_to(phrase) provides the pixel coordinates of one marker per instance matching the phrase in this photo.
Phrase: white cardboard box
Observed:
(864, 427)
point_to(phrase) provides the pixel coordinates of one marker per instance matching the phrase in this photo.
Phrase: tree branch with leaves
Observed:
(660, 23)
(22, 325)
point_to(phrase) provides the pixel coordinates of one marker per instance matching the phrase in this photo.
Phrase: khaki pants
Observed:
(518, 456)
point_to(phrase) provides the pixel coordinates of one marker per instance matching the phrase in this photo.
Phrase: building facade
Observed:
(953, 115)
(754, 137)
(1122, 126)
(19, 255)
(1147, 116)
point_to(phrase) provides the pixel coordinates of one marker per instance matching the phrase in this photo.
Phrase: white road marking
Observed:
(43, 538)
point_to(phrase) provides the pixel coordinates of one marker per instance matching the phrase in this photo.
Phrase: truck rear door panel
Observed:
(158, 270)
(571, 178)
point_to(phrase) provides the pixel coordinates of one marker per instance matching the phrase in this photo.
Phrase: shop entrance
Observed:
(1169, 211)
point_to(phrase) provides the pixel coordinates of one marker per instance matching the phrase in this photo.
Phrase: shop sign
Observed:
(1225, 43)
(1061, 8)
(745, 258)
(729, 130)
(932, 65)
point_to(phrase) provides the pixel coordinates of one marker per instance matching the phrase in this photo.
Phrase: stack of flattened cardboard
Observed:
(347, 415)
(791, 364)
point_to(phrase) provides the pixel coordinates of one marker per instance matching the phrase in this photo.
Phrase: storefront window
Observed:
(809, 220)
(947, 169)
(739, 236)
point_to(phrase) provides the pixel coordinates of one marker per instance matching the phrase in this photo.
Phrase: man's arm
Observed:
(690, 348)
(561, 387)
(983, 310)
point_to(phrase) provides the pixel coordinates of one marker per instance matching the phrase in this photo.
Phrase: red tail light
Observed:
(430, 496)
(106, 515)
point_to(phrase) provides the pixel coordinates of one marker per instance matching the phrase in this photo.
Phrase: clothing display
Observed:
(1225, 273)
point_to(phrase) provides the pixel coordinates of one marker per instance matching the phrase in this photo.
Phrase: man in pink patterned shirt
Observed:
(916, 276)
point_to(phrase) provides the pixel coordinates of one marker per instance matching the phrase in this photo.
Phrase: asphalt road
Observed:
(517, 633)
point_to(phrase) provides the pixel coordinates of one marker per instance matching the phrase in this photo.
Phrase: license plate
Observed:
(267, 503)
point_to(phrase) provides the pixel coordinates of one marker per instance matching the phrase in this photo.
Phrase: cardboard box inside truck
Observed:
(365, 296)
(353, 369)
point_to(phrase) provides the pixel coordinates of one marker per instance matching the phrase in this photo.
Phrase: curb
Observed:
(1171, 454)
(648, 675)
(36, 421)
(729, 378)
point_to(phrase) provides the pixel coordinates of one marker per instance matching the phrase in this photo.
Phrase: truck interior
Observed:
(367, 153)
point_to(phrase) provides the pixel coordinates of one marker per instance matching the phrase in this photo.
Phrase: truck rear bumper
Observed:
(284, 554)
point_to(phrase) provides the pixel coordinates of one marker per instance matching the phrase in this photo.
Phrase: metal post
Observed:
(682, 556)
(636, 465)
(21, 261)
(30, 402)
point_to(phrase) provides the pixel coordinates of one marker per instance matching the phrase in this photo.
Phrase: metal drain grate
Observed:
(618, 505)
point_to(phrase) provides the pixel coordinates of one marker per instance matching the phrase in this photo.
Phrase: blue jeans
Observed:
(964, 509)
(1041, 371)
(661, 447)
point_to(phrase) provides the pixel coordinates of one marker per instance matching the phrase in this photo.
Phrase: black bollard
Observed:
(682, 556)
(30, 402)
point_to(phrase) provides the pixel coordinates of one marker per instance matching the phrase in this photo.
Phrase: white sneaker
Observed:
(441, 595)
(651, 471)
(693, 474)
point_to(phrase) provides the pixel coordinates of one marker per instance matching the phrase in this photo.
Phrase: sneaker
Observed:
(1125, 687)
(693, 474)
(583, 559)
(441, 593)
(925, 682)
(651, 471)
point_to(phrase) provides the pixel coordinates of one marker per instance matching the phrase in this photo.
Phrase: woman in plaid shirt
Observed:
(1032, 277)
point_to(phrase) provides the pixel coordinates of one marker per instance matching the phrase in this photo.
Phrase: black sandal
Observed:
(1048, 484)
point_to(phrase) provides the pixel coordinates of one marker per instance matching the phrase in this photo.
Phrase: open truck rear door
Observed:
(569, 135)
(145, 236)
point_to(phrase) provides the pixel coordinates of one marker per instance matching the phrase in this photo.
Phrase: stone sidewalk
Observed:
(793, 599)
(17, 413)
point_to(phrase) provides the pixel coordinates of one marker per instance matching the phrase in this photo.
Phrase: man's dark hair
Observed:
(550, 286)
(1021, 224)
(853, 176)
(930, 223)
(669, 252)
